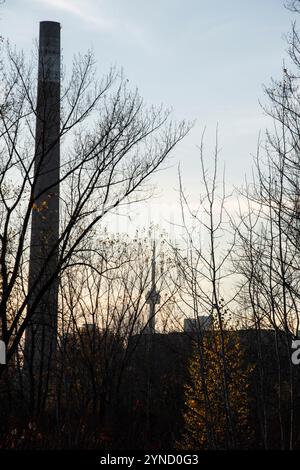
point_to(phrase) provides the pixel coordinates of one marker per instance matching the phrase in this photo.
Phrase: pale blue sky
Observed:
(207, 59)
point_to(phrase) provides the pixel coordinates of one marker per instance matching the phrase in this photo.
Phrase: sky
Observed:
(207, 60)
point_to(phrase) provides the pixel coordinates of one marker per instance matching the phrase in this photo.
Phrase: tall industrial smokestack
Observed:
(41, 333)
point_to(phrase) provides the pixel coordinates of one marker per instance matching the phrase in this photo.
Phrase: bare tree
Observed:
(269, 239)
(204, 265)
(111, 143)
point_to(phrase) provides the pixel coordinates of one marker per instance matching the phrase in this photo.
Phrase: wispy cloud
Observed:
(84, 10)
(93, 13)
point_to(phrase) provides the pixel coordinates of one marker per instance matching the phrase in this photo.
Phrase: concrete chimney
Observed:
(41, 332)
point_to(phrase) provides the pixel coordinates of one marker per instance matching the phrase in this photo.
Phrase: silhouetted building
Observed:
(153, 402)
(201, 323)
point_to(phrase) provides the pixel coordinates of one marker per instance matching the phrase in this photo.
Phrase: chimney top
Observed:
(50, 28)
